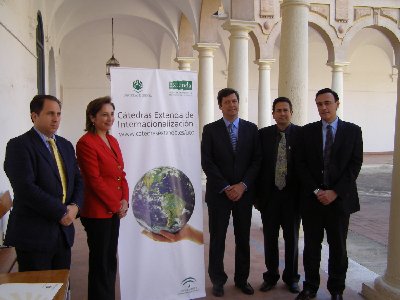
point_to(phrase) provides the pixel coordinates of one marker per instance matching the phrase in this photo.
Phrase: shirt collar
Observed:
(286, 131)
(334, 124)
(235, 123)
(42, 136)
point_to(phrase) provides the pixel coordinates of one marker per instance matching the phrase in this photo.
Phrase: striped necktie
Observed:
(60, 167)
(232, 136)
(281, 163)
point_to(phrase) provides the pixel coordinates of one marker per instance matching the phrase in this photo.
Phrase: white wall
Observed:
(17, 76)
(84, 55)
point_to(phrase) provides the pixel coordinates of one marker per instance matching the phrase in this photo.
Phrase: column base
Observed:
(380, 290)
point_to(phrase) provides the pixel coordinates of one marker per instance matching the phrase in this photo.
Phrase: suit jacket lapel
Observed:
(103, 145)
(319, 141)
(224, 134)
(45, 152)
(338, 137)
(241, 134)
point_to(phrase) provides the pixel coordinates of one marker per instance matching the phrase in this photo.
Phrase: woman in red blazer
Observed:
(105, 196)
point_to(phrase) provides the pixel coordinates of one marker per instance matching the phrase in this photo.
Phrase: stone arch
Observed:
(208, 24)
(185, 38)
(255, 39)
(267, 47)
(329, 36)
(386, 27)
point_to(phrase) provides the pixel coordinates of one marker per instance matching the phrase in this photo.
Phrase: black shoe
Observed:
(246, 288)
(337, 297)
(218, 290)
(267, 285)
(305, 295)
(293, 287)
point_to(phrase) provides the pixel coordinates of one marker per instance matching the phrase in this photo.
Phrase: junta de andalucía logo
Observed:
(137, 86)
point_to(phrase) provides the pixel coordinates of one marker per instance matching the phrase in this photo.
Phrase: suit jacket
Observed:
(266, 178)
(104, 177)
(31, 168)
(344, 167)
(222, 165)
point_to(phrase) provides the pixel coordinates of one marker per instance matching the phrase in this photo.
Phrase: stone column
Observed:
(206, 83)
(337, 82)
(238, 68)
(293, 59)
(388, 286)
(264, 92)
(184, 63)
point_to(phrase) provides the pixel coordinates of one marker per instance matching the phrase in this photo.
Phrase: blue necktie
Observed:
(232, 136)
(327, 153)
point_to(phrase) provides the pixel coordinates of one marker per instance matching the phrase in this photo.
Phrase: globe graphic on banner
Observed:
(163, 199)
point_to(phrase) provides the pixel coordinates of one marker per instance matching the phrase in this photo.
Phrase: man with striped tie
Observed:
(329, 161)
(230, 157)
(48, 191)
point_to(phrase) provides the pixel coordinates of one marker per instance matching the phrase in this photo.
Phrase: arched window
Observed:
(40, 54)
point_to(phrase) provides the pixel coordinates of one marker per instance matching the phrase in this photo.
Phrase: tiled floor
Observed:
(362, 223)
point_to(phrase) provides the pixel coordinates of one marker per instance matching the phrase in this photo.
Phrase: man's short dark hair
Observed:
(328, 90)
(282, 99)
(225, 93)
(37, 102)
(93, 108)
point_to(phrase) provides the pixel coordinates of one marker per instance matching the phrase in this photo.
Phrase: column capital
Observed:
(264, 63)
(239, 25)
(286, 3)
(184, 62)
(183, 59)
(337, 65)
(206, 47)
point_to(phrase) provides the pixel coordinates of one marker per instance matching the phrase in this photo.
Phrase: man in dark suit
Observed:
(230, 158)
(47, 189)
(329, 163)
(278, 192)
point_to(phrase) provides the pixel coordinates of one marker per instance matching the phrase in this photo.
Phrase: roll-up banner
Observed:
(161, 251)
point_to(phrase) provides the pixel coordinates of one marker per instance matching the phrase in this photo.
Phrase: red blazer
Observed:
(104, 177)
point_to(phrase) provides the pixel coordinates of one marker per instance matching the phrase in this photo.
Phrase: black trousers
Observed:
(336, 224)
(57, 259)
(102, 239)
(218, 215)
(281, 211)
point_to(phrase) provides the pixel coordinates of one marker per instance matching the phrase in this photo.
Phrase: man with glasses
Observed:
(330, 159)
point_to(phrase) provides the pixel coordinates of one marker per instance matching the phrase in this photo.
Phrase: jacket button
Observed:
(118, 188)
(119, 178)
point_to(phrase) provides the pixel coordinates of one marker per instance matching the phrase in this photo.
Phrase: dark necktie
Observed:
(327, 153)
(281, 163)
(232, 136)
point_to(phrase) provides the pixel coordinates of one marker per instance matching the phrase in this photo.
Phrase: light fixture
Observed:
(220, 14)
(112, 62)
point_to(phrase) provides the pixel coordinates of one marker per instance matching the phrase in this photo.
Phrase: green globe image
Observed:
(163, 199)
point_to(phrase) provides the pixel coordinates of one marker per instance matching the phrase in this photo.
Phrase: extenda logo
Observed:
(180, 85)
